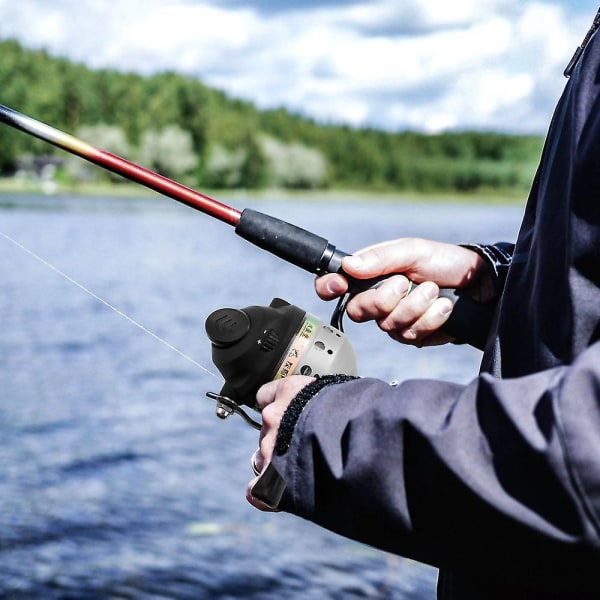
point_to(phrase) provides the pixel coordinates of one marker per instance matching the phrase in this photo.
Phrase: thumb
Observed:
(372, 262)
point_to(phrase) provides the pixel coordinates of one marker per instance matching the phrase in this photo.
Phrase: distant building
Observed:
(42, 167)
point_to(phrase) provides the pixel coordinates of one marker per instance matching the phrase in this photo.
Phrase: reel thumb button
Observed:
(226, 326)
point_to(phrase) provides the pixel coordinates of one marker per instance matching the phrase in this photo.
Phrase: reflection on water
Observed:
(116, 480)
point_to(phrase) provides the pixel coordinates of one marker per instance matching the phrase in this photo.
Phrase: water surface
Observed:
(116, 479)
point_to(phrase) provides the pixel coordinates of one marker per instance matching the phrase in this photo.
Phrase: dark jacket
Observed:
(497, 482)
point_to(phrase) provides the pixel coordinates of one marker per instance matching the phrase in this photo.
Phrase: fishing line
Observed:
(107, 304)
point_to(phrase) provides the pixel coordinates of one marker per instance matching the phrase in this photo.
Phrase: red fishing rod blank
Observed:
(121, 166)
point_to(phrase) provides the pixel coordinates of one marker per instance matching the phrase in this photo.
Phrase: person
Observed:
(497, 482)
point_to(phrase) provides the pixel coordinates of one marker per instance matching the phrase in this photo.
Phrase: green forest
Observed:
(186, 130)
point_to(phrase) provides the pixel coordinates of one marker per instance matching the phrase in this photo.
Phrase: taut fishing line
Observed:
(107, 304)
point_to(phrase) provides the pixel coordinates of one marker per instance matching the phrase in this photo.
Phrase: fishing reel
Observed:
(257, 344)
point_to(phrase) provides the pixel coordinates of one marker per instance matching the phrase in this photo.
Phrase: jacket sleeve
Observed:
(498, 478)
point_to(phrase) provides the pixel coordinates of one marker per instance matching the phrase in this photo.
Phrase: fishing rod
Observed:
(468, 322)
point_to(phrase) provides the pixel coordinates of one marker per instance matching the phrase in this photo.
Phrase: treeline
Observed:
(184, 129)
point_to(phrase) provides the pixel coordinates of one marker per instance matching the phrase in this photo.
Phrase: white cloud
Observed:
(494, 64)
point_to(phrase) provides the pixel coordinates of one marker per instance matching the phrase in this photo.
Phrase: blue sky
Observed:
(428, 65)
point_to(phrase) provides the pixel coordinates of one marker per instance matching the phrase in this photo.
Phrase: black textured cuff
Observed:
(498, 257)
(294, 410)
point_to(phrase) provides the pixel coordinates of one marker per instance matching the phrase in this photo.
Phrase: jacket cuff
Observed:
(294, 410)
(498, 258)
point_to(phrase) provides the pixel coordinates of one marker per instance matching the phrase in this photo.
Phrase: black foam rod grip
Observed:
(294, 244)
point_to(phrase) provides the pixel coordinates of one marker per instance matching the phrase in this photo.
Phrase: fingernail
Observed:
(335, 287)
(409, 335)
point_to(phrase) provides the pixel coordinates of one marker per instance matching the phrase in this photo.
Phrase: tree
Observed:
(223, 168)
(169, 151)
(235, 144)
(294, 165)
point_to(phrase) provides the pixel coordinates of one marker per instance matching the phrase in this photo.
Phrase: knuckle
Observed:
(356, 311)
(379, 254)
(387, 325)
(269, 416)
(389, 294)
(428, 292)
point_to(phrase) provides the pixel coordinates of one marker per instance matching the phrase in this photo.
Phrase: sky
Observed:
(425, 65)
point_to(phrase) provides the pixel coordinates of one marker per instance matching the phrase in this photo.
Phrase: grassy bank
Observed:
(11, 185)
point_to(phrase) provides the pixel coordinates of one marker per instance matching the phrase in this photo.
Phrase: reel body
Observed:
(257, 344)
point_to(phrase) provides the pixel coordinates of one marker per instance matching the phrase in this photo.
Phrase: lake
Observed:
(116, 478)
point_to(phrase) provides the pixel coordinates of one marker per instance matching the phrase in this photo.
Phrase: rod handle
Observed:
(294, 244)
(270, 487)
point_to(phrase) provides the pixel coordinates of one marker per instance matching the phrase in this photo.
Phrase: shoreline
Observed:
(9, 186)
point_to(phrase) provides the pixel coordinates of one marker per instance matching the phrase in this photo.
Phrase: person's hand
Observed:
(273, 397)
(415, 317)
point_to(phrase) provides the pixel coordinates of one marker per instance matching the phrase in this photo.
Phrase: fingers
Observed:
(426, 313)
(412, 318)
(254, 462)
(267, 393)
(376, 303)
(271, 416)
(281, 390)
(268, 436)
(410, 308)
(274, 398)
